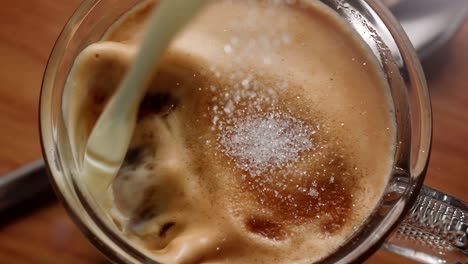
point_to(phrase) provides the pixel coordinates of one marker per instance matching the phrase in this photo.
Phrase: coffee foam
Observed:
(254, 143)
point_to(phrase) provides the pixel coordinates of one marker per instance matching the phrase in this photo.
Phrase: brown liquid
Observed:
(266, 135)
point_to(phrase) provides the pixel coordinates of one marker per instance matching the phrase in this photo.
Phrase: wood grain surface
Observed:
(41, 232)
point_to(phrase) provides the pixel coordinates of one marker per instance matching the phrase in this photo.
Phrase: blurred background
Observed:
(40, 231)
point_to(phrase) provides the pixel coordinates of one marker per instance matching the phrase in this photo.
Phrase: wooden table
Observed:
(45, 234)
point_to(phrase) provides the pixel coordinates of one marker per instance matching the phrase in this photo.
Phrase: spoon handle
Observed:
(23, 184)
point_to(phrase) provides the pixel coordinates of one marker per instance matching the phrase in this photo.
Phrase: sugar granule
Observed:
(262, 142)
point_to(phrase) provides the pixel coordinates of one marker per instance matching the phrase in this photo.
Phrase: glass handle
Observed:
(435, 230)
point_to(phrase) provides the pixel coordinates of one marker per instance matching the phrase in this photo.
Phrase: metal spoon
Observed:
(430, 23)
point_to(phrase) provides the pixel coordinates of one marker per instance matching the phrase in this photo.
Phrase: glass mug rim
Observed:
(97, 232)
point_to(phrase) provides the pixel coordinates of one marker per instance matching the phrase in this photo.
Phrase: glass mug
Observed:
(411, 220)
